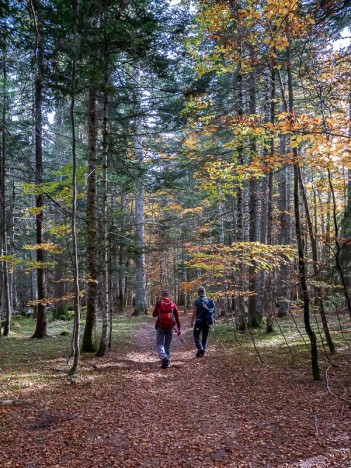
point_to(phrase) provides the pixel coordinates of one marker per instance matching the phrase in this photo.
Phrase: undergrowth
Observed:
(26, 362)
(289, 343)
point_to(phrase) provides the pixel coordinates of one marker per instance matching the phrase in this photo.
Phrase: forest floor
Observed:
(223, 410)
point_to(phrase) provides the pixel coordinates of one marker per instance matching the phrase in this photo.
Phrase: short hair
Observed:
(201, 291)
(166, 292)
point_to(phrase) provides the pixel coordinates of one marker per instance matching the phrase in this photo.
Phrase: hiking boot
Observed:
(202, 353)
(165, 363)
(199, 353)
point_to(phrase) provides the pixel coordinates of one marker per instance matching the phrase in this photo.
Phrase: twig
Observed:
(316, 425)
(71, 379)
(256, 349)
(321, 337)
(285, 339)
(298, 329)
(331, 391)
(340, 325)
(234, 328)
(94, 366)
(56, 369)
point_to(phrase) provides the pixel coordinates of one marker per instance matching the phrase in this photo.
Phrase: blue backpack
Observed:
(209, 310)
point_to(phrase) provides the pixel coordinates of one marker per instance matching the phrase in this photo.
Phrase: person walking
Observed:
(167, 315)
(203, 317)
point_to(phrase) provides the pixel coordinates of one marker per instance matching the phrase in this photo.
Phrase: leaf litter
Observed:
(223, 410)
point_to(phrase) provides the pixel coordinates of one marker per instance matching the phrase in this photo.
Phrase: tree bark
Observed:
(254, 316)
(140, 280)
(60, 305)
(122, 258)
(40, 330)
(77, 310)
(284, 236)
(318, 289)
(299, 239)
(338, 248)
(104, 235)
(239, 234)
(89, 343)
(5, 301)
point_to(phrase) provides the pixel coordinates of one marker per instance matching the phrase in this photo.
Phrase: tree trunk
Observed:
(254, 316)
(5, 302)
(239, 234)
(318, 289)
(338, 248)
(140, 281)
(40, 330)
(77, 311)
(345, 254)
(122, 259)
(89, 343)
(269, 240)
(60, 305)
(110, 291)
(301, 262)
(221, 216)
(284, 236)
(105, 244)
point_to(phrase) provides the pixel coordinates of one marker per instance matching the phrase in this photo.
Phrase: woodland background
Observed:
(152, 144)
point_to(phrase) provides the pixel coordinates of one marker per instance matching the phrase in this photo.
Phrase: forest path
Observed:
(223, 410)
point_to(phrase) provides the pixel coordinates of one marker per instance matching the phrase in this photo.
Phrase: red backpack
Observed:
(165, 314)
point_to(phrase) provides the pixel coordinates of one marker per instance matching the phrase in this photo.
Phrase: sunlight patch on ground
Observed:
(141, 357)
(139, 377)
(20, 385)
(313, 462)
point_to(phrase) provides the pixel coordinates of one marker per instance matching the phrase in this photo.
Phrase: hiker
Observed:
(167, 315)
(204, 317)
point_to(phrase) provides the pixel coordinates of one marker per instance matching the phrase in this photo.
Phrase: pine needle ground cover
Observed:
(241, 405)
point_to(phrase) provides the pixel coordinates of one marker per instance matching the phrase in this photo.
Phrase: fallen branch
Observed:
(331, 391)
(57, 369)
(94, 366)
(14, 402)
(316, 425)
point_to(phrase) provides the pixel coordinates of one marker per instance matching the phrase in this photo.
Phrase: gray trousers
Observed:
(163, 342)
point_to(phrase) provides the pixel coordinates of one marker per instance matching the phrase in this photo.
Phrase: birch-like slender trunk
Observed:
(140, 279)
(318, 289)
(299, 238)
(338, 247)
(338, 253)
(77, 311)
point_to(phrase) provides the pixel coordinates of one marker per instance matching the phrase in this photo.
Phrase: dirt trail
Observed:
(223, 410)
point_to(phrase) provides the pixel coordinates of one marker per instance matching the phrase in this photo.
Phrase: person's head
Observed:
(166, 293)
(201, 291)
